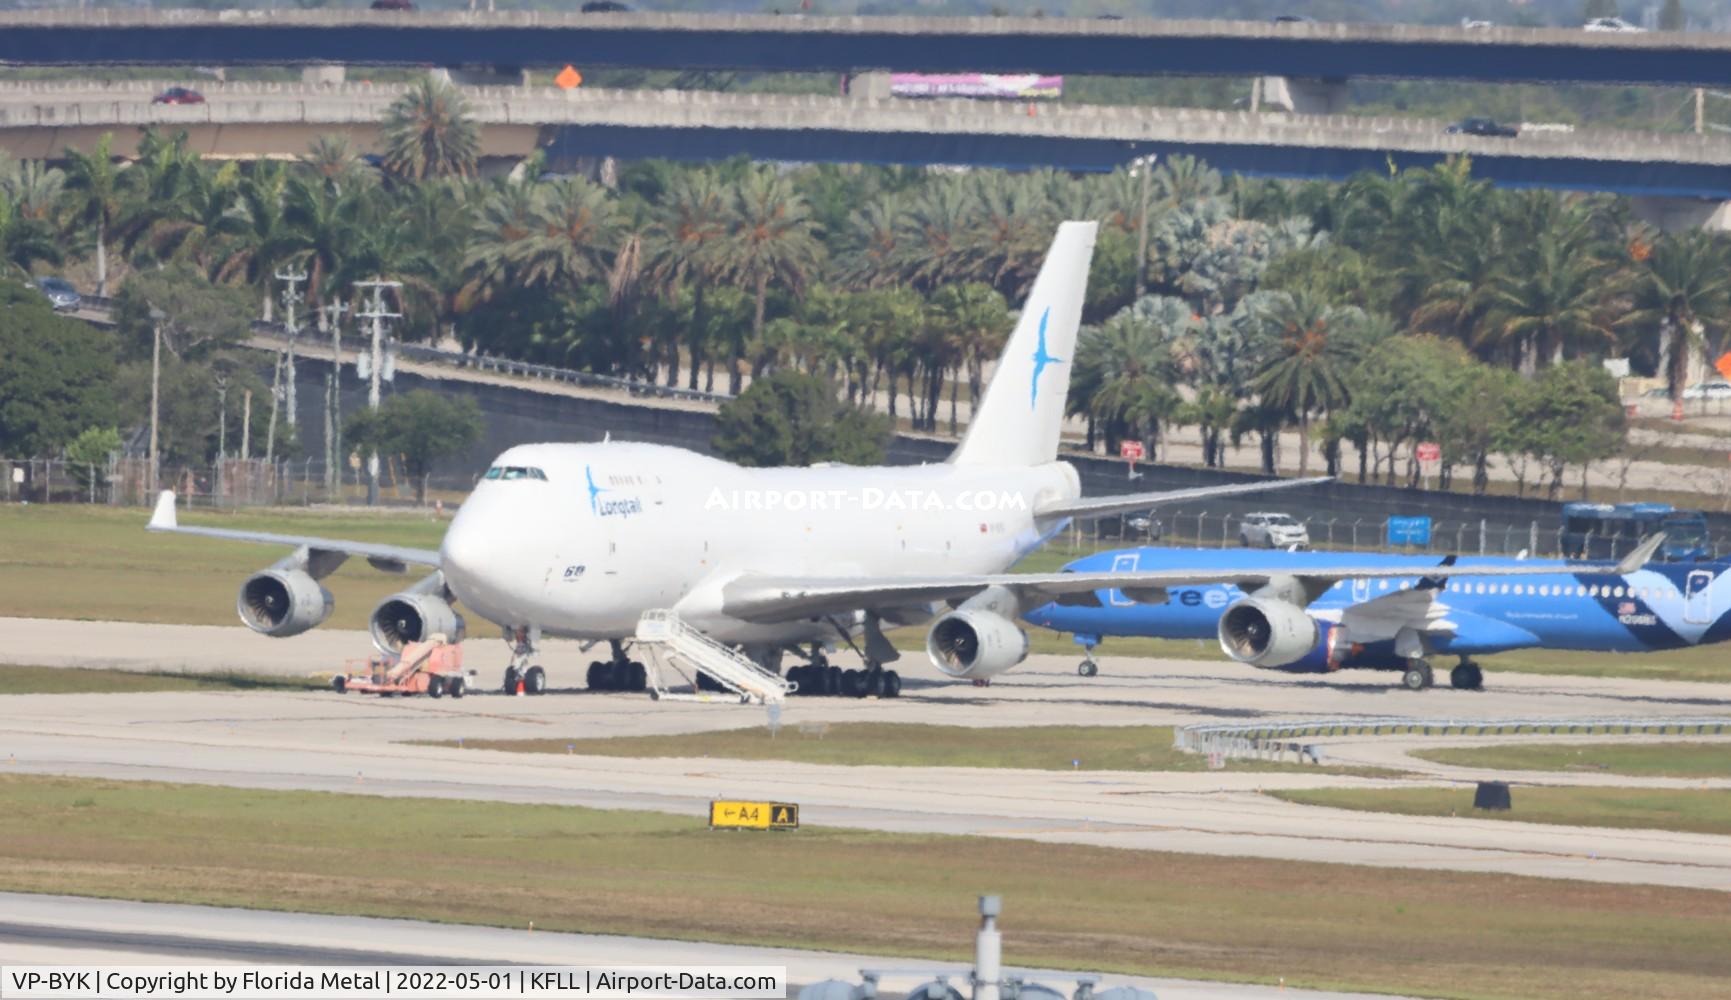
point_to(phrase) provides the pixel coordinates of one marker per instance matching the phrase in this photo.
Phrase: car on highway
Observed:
(1610, 24)
(178, 95)
(1273, 530)
(1292, 19)
(393, 5)
(1482, 126)
(605, 7)
(1474, 24)
(60, 293)
(1716, 389)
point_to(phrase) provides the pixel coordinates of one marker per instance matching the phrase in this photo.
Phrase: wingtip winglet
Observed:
(163, 517)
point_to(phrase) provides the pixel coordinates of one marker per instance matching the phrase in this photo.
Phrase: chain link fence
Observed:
(224, 484)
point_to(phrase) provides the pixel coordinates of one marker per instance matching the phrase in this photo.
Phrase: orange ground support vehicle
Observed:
(433, 667)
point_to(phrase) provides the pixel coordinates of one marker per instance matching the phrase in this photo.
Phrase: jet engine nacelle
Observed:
(1273, 633)
(975, 644)
(411, 617)
(281, 602)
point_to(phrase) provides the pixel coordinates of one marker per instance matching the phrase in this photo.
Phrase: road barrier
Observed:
(1294, 740)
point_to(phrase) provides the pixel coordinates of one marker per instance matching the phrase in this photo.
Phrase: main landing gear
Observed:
(1465, 677)
(521, 672)
(819, 677)
(621, 673)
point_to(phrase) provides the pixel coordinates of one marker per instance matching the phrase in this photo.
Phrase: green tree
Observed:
(1571, 416)
(683, 251)
(96, 198)
(975, 321)
(198, 317)
(1305, 369)
(89, 453)
(56, 375)
(1598, 8)
(771, 239)
(1127, 371)
(1682, 292)
(428, 133)
(421, 427)
(791, 418)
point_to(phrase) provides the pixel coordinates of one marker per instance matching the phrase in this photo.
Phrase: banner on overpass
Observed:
(984, 86)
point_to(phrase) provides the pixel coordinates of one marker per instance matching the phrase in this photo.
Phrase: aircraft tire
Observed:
(512, 676)
(592, 678)
(832, 680)
(873, 684)
(535, 681)
(1417, 678)
(1087, 668)
(1467, 677)
(340, 684)
(638, 679)
(892, 684)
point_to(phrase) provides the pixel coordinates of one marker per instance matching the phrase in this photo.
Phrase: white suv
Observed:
(1611, 24)
(1274, 531)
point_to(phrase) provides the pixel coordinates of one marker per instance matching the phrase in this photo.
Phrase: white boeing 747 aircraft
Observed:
(580, 540)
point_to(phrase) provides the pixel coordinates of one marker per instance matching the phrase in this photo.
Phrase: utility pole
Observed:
(377, 313)
(221, 433)
(246, 425)
(1700, 110)
(291, 295)
(156, 318)
(333, 317)
(1142, 166)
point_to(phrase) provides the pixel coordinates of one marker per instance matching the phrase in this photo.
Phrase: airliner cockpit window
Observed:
(515, 472)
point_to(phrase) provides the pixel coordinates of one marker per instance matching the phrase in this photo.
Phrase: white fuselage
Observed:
(580, 539)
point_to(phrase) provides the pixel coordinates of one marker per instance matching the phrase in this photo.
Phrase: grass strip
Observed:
(1688, 810)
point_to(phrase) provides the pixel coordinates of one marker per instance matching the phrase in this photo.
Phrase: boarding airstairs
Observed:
(662, 632)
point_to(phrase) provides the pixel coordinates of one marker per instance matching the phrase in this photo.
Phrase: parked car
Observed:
(1472, 23)
(1272, 530)
(1145, 524)
(605, 7)
(393, 5)
(1610, 24)
(1482, 126)
(60, 293)
(1717, 389)
(1292, 19)
(178, 95)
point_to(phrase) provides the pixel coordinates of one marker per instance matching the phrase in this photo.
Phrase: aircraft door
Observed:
(1125, 563)
(1698, 599)
(1360, 591)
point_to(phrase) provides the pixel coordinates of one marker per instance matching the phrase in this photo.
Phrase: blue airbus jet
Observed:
(1280, 618)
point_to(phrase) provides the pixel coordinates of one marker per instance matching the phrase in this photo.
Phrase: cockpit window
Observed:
(515, 472)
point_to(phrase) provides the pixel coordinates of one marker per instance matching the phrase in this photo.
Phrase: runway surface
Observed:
(354, 743)
(48, 929)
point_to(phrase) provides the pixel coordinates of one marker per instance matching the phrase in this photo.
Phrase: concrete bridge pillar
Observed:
(874, 85)
(1674, 214)
(1304, 97)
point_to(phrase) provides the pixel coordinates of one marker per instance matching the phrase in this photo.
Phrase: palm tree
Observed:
(573, 233)
(23, 240)
(975, 320)
(1557, 299)
(933, 247)
(196, 221)
(1126, 371)
(1305, 371)
(95, 197)
(1683, 291)
(333, 160)
(771, 239)
(682, 250)
(871, 255)
(322, 221)
(428, 133)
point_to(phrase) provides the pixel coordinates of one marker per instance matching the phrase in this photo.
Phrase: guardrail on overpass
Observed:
(706, 125)
(800, 43)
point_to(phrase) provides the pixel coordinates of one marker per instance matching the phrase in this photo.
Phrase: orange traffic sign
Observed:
(568, 78)
(1724, 364)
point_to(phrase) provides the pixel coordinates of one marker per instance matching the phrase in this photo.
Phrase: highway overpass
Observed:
(41, 119)
(798, 43)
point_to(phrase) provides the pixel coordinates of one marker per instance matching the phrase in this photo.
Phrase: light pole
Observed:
(1142, 167)
(333, 316)
(377, 313)
(156, 318)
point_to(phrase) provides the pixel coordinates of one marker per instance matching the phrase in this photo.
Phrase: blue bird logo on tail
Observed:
(594, 491)
(1041, 360)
